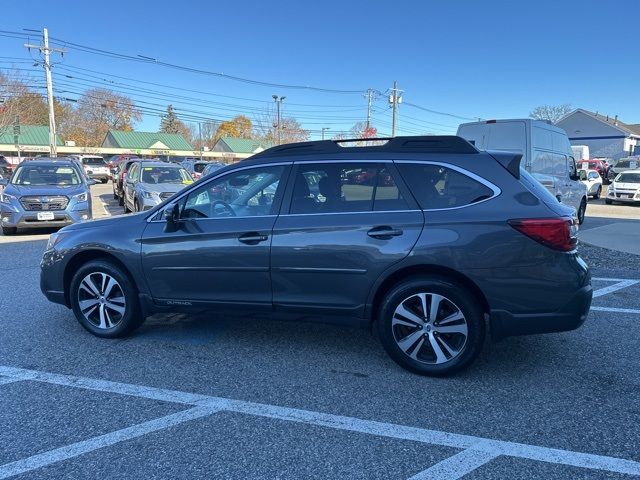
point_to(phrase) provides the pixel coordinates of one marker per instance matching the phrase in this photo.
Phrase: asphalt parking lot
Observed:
(195, 396)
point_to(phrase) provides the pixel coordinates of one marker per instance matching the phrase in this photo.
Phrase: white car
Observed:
(625, 188)
(593, 181)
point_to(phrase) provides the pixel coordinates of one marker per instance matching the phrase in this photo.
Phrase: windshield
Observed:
(155, 175)
(95, 161)
(45, 175)
(628, 178)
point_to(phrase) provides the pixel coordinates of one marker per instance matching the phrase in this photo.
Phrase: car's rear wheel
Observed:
(9, 230)
(431, 326)
(607, 201)
(104, 300)
(121, 200)
(598, 192)
(581, 211)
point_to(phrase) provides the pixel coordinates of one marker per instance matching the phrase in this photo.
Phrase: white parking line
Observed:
(613, 288)
(488, 446)
(456, 466)
(615, 310)
(79, 448)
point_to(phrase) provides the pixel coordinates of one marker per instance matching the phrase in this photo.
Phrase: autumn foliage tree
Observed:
(97, 111)
(237, 127)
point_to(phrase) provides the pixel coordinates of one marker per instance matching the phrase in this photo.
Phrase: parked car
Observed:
(357, 251)
(44, 193)
(195, 167)
(546, 154)
(625, 188)
(149, 183)
(119, 178)
(211, 167)
(623, 165)
(96, 168)
(5, 167)
(599, 165)
(593, 181)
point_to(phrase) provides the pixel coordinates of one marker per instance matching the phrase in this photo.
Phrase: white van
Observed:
(546, 154)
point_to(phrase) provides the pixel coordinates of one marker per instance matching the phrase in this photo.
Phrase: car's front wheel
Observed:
(431, 326)
(104, 300)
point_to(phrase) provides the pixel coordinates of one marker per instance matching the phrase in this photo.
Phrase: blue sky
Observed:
(489, 59)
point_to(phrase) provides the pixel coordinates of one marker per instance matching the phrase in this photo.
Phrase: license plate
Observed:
(624, 195)
(43, 216)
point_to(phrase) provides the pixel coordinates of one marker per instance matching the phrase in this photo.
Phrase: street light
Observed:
(278, 101)
(323, 129)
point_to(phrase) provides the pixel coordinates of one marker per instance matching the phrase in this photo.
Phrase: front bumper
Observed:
(100, 176)
(616, 198)
(29, 219)
(569, 317)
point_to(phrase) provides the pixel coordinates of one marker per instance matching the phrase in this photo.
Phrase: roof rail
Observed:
(417, 144)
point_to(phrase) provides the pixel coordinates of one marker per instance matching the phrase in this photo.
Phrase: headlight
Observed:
(6, 198)
(53, 240)
(81, 198)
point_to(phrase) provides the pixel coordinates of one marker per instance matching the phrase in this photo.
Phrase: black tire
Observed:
(136, 206)
(607, 201)
(581, 211)
(455, 295)
(9, 230)
(104, 180)
(121, 200)
(598, 192)
(132, 317)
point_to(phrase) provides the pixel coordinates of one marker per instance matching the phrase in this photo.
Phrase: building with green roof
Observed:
(146, 141)
(240, 145)
(30, 136)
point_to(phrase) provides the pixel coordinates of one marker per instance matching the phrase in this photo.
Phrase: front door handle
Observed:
(384, 233)
(252, 238)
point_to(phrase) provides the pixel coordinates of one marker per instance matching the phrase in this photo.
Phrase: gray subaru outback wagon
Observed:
(427, 239)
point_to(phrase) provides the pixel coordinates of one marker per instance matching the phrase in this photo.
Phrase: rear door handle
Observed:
(252, 238)
(384, 233)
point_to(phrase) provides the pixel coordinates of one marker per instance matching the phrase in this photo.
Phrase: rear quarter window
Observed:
(438, 187)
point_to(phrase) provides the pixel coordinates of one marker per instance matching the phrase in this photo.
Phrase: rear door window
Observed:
(438, 187)
(345, 187)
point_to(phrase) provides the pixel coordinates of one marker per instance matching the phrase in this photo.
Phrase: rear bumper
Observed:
(569, 317)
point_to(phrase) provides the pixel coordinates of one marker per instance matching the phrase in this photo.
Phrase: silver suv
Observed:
(45, 193)
(149, 183)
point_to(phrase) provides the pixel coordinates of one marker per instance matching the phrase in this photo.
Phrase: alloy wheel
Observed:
(429, 328)
(101, 300)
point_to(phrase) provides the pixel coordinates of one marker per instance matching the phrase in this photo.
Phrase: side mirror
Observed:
(172, 213)
(172, 216)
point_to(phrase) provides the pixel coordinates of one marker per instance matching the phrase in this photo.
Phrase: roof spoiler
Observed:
(510, 161)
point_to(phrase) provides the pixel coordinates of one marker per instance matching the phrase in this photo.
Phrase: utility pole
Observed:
(395, 99)
(278, 101)
(46, 51)
(369, 101)
(200, 135)
(323, 130)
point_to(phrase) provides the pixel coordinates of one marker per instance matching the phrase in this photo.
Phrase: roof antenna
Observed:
(615, 122)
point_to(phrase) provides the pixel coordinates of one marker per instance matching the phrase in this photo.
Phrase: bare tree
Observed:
(290, 129)
(551, 113)
(207, 131)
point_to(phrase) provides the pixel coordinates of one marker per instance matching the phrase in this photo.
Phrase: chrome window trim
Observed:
(215, 177)
(495, 189)
(323, 161)
(347, 213)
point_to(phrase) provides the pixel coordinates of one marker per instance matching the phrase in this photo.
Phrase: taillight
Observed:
(556, 233)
